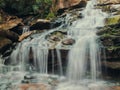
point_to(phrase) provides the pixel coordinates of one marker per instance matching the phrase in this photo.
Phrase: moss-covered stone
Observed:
(110, 39)
(113, 20)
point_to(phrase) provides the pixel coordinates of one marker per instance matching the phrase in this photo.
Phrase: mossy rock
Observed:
(113, 20)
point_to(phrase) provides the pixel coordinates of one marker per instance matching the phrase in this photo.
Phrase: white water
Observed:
(84, 64)
(86, 51)
(26, 29)
(38, 50)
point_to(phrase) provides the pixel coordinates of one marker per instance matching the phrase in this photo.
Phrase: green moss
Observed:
(50, 15)
(113, 20)
(113, 47)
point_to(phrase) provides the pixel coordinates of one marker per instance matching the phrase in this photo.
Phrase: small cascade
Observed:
(32, 54)
(26, 29)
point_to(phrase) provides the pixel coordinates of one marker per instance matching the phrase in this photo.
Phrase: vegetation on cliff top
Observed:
(25, 7)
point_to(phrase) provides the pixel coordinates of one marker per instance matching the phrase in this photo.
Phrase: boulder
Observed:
(62, 4)
(40, 24)
(4, 44)
(10, 24)
(68, 41)
(113, 20)
(25, 35)
(33, 87)
(9, 34)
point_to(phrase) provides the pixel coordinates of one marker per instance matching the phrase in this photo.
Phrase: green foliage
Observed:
(24, 7)
(50, 15)
(113, 20)
(43, 7)
(2, 3)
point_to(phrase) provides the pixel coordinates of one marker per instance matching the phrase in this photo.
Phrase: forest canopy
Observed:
(25, 7)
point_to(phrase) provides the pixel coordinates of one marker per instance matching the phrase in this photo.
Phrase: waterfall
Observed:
(26, 29)
(32, 54)
(84, 56)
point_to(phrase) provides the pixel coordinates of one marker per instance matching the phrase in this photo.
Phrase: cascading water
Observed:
(86, 49)
(37, 49)
(26, 29)
(84, 57)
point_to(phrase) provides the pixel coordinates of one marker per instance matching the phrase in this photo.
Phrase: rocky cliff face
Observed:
(60, 4)
(109, 1)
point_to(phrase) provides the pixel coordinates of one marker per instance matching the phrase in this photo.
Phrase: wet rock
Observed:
(115, 7)
(69, 41)
(109, 1)
(4, 44)
(113, 54)
(112, 65)
(29, 77)
(25, 81)
(34, 87)
(7, 53)
(110, 37)
(40, 24)
(25, 35)
(115, 88)
(55, 36)
(10, 24)
(9, 34)
(113, 20)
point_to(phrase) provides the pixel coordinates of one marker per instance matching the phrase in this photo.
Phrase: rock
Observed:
(66, 4)
(28, 77)
(10, 24)
(40, 24)
(34, 87)
(109, 1)
(112, 65)
(116, 88)
(55, 38)
(4, 44)
(25, 35)
(69, 41)
(60, 5)
(112, 54)
(113, 20)
(9, 34)
(25, 81)
(115, 7)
